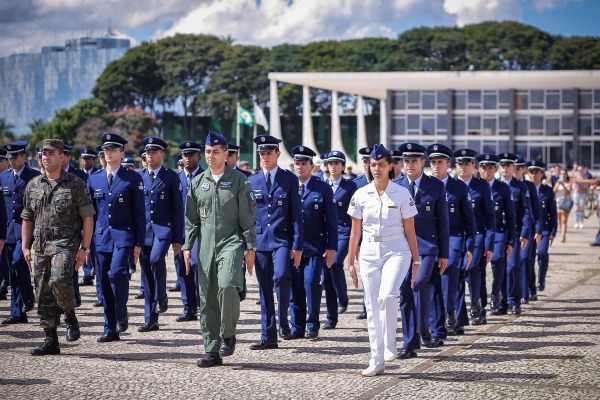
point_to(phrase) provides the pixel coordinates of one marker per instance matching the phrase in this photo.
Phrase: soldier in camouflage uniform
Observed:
(58, 216)
(220, 208)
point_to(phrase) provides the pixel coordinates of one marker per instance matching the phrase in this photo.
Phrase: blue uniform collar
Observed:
(417, 181)
(114, 172)
(156, 171)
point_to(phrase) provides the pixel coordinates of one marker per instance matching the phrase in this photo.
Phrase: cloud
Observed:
(542, 5)
(473, 11)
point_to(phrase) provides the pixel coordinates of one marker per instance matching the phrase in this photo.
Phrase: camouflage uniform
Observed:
(56, 207)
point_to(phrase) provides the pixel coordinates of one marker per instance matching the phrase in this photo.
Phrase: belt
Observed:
(385, 238)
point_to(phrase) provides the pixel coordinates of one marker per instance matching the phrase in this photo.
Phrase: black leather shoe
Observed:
(175, 289)
(140, 295)
(481, 320)
(342, 309)
(49, 347)
(436, 342)
(541, 287)
(227, 347)
(15, 320)
(312, 334)
(73, 332)
(86, 281)
(329, 325)
(405, 354)
(109, 337)
(131, 271)
(291, 335)
(524, 301)
(450, 321)
(258, 301)
(3, 296)
(516, 310)
(459, 330)
(499, 311)
(262, 345)
(27, 306)
(362, 315)
(475, 311)
(425, 339)
(148, 328)
(98, 303)
(495, 301)
(162, 305)
(533, 297)
(187, 317)
(209, 360)
(123, 325)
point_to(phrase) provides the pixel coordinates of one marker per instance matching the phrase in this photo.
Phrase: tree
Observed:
(187, 62)
(6, 133)
(575, 53)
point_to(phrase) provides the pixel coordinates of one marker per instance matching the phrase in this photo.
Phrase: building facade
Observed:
(36, 85)
(552, 116)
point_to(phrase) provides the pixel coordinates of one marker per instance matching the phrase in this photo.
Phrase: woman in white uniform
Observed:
(383, 213)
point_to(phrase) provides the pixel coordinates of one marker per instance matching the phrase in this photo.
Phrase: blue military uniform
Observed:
(3, 226)
(164, 226)
(118, 197)
(504, 234)
(485, 224)
(278, 231)
(549, 222)
(433, 235)
(535, 228)
(334, 278)
(89, 269)
(188, 284)
(320, 218)
(511, 289)
(232, 148)
(13, 190)
(462, 238)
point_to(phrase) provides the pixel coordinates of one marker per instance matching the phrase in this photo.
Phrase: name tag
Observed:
(98, 193)
(225, 185)
(452, 209)
(340, 204)
(203, 213)
(120, 199)
(279, 202)
(316, 206)
(392, 206)
(496, 208)
(427, 208)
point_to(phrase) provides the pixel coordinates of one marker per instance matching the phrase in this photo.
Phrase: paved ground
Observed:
(550, 351)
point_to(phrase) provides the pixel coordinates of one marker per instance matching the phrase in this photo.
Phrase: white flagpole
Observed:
(237, 125)
(254, 146)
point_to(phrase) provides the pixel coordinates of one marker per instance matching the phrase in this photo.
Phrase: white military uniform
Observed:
(385, 258)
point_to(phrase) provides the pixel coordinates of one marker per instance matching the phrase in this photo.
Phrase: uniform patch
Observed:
(427, 208)
(203, 213)
(205, 186)
(226, 185)
(340, 204)
(451, 209)
(141, 187)
(352, 203)
(411, 203)
(252, 196)
(279, 202)
(120, 199)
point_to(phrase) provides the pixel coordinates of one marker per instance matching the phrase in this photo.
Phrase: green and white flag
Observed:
(245, 117)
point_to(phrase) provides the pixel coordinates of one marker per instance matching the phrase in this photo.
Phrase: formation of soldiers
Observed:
(291, 228)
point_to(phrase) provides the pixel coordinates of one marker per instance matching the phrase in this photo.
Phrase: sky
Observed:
(27, 25)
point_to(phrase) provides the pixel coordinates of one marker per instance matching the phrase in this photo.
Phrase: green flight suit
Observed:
(221, 215)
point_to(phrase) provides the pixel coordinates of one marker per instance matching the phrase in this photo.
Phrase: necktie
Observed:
(16, 177)
(151, 177)
(110, 180)
(268, 181)
(189, 179)
(301, 191)
(332, 186)
(412, 189)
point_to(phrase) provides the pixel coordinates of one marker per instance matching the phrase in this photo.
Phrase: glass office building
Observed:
(36, 85)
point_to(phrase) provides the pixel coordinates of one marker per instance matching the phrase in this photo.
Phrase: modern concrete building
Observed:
(35, 85)
(552, 116)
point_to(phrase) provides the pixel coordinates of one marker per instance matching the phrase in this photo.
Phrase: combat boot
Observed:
(50, 345)
(73, 332)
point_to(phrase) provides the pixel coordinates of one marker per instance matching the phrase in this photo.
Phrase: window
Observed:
(567, 124)
(428, 100)
(596, 160)
(442, 99)
(459, 127)
(522, 126)
(555, 153)
(474, 98)
(585, 100)
(490, 101)
(585, 125)
(552, 100)
(553, 126)
(474, 125)
(597, 123)
(489, 125)
(536, 152)
(504, 125)
(536, 122)
(490, 147)
(442, 123)
(400, 101)
(568, 96)
(399, 126)
(522, 101)
(414, 99)
(596, 99)
(459, 100)
(428, 124)
(413, 121)
(503, 99)
(521, 149)
(537, 97)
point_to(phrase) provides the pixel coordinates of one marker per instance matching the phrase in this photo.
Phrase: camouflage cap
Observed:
(53, 144)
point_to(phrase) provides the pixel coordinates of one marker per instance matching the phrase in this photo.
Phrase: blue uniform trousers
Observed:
(473, 276)
(113, 269)
(498, 268)
(154, 279)
(98, 277)
(543, 258)
(514, 271)
(273, 271)
(408, 311)
(4, 274)
(21, 290)
(526, 265)
(188, 284)
(437, 313)
(421, 301)
(179, 270)
(334, 280)
(76, 291)
(306, 292)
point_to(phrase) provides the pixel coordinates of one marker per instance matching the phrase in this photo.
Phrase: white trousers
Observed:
(382, 270)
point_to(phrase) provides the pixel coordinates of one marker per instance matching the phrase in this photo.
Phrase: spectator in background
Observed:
(349, 174)
(562, 190)
(583, 180)
(554, 172)
(597, 241)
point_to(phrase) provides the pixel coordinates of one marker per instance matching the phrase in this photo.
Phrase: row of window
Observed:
(496, 125)
(495, 99)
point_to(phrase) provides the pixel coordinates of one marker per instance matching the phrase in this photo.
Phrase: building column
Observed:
(308, 138)
(575, 155)
(383, 127)
(336, 128)
(361, 139)
(275, 125)
(512, 119)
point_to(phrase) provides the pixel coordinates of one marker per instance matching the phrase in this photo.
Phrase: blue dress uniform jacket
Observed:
(121, 219)
(13, 200)
(3, 223)
(248, 174)
(548, 211)
(483, 210)
(164, 211)
(504, 207)
(342, 197)
(320, 218)
(78, 173)
(278, 213)
(536, 212)
(460, 216)
(361, 181)
(522, 207)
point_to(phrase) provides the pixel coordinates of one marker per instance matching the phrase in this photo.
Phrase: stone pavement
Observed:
(550, 351)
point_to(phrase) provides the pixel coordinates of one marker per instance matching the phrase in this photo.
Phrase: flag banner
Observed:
(245, 117)
(260, 118)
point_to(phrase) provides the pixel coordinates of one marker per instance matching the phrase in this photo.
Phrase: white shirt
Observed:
(272, 172)
(114, 173)
(445, 180)
(335, 184)
(468, 181)
(217, 177)
(417, 182)
(156, 171)
(383, 215)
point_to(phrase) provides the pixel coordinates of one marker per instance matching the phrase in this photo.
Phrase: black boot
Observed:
(50, 345)
(73, 332)
(450, 322)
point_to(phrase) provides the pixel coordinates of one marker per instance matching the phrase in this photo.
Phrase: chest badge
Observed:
(452, 209)
(316, 206)
(120, 199)
(205, 187)
(203, 213)
(279, 202)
